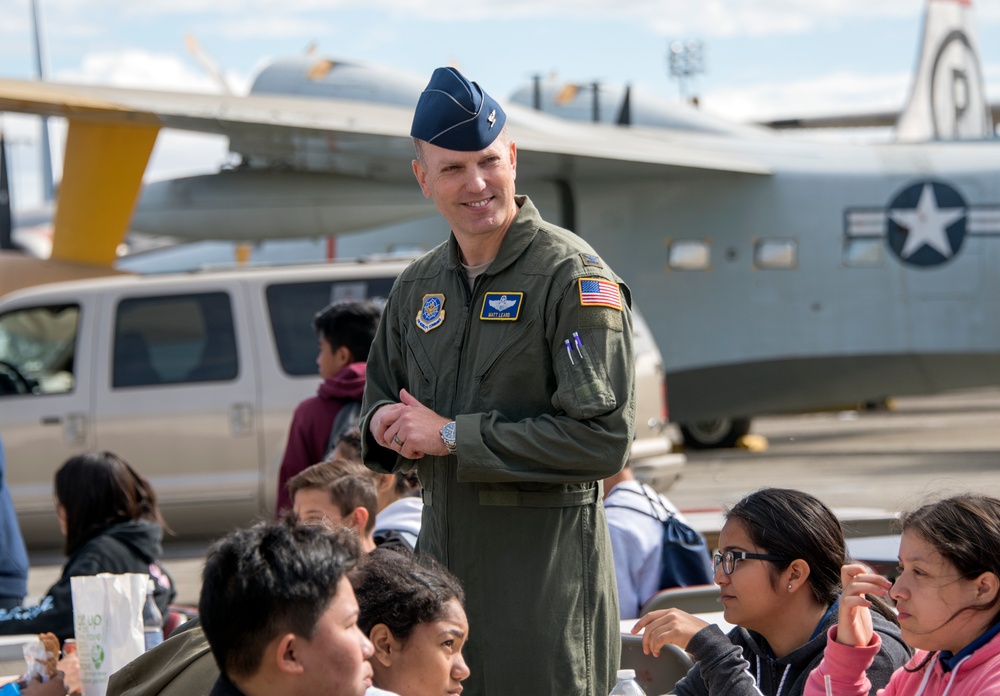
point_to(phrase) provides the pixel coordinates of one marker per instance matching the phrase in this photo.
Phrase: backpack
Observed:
(349, 416)
(684, 556)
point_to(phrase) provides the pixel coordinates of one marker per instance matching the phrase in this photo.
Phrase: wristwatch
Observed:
(448, 435)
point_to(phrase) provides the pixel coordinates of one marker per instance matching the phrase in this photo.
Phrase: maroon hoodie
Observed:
(309, 434)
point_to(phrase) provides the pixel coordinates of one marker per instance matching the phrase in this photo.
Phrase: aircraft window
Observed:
(861, 252)
(689, 255)
(174, 339)
(37, 346)
(292, 306)
(775, 253)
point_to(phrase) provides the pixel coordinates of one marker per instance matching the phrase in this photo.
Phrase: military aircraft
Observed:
(776, 274)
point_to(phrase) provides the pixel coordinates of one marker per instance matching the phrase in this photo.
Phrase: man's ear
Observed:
(283, 651)
(421, 173)
(386, 645)
(513, 158)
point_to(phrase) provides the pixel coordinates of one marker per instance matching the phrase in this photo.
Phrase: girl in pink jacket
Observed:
(948, 599)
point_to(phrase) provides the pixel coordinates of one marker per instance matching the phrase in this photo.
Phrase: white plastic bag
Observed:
(107, 614)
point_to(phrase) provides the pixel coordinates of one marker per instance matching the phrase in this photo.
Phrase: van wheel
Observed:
(714, 433)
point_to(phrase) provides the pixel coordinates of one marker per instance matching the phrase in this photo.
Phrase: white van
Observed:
(192, 378)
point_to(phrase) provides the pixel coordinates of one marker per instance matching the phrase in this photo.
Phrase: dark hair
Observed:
(349, 323)
(349, 440)
(402, 591)
(406, 483)
(268, 580)
(346, 491)
(100, 489)
(965, 529)
(792, 525)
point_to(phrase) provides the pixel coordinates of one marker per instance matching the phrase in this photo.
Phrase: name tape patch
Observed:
(501, 306)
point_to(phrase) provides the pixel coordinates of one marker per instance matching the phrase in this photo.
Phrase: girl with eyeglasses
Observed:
(778, 570)
(948, 598)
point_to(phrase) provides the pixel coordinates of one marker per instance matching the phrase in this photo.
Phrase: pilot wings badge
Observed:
(431, 314)
(501, 306)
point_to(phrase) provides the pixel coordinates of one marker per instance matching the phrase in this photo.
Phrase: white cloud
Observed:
(135, 67)
(835, 93)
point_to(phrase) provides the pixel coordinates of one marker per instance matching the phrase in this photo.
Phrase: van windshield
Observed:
(37, 346)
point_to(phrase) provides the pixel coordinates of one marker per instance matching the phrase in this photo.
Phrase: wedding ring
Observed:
(395, 438)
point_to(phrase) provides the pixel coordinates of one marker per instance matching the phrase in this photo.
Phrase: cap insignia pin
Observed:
(492, 118)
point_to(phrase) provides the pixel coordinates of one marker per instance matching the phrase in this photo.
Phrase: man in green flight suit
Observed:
(503, 370)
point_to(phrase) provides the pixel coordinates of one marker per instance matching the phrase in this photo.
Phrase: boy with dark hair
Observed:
(337, 492)
(345, 331)
(280, 614)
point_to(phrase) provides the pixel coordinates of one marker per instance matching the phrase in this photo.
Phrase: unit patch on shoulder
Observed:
(591, 260)
(431, 314)
(501, 306)
(598, 292)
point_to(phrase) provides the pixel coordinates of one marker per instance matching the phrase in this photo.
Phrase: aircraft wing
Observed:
(874, 119)
(366, 139)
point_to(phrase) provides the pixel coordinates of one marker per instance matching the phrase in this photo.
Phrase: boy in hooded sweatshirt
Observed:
(778, 564)
(345, 331)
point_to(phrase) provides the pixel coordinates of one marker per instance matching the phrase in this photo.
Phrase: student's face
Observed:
(474, 191)
(430, 662)
(930, 595)
(314, 506)
(335, 659)
(748, 597)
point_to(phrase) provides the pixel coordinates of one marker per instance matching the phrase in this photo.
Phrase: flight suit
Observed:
(541, 419)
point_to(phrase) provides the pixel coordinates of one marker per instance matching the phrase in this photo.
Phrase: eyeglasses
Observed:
(729, 559)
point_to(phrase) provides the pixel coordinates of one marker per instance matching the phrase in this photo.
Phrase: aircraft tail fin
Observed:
(947, 99)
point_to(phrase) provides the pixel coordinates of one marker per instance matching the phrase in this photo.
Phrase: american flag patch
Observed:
(597, 292)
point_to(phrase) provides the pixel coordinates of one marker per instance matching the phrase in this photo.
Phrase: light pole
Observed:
(685, 60)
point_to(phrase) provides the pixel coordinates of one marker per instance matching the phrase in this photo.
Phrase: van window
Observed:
(173, 340)
(292, 307)
(37, 347)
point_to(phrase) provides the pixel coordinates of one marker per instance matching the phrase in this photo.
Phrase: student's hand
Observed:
(53, 687)
(70, 667)
(665, 626)
(854, 622)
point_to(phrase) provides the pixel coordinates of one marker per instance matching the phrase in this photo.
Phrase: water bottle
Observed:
(152, 619)
(627, 685)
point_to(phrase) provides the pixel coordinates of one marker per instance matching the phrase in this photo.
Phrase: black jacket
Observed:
(129, 547)
(742, 663)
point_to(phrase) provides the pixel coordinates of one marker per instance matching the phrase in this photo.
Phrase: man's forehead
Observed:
(442, 154)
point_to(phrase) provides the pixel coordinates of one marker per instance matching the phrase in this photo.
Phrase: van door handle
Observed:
(51, 420)
(75, 429)
(241, 419)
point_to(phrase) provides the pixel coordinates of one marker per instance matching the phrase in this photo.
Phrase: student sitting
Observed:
(948, 598)
(325, 493)
(111, 523)
(280, 615)
(778, 569)
(412, 611)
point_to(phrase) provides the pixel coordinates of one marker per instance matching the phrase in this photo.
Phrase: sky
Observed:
(762, 58)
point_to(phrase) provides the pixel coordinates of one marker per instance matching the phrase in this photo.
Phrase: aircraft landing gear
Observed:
(714, 433)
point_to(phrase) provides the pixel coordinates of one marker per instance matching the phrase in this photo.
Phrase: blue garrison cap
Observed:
(456, 114)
